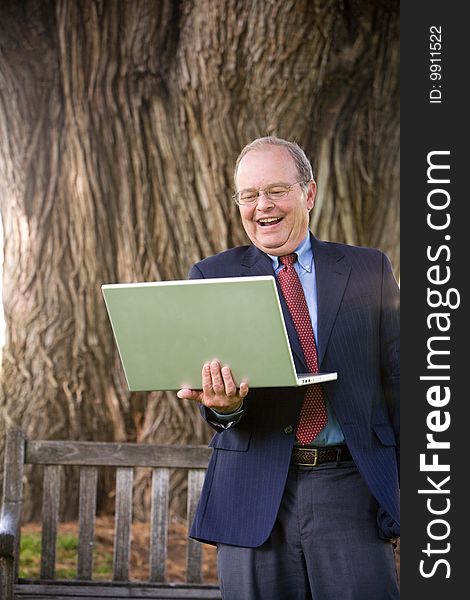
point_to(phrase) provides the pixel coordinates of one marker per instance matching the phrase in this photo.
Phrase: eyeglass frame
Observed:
(252, 202)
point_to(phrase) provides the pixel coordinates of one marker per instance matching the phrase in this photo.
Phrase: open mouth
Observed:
(269, 221)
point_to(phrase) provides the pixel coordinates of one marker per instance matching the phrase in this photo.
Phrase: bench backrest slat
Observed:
(86, 521)
(116, 455)
(194, 549)
(159, 523)
(50, 520)
(122, 523)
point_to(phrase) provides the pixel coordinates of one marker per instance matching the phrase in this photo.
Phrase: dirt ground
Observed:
(176, 561)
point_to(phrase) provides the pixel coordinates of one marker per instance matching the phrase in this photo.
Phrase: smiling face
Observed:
(278, 227)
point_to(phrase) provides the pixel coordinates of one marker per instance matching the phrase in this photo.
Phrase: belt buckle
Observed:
(315, 458)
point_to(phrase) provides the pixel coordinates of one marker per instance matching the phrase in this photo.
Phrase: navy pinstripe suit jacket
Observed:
(358, 336)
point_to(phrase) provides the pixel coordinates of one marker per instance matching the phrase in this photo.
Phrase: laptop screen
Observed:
(165, 331)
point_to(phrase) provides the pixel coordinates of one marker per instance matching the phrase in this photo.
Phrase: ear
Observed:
(311, 194)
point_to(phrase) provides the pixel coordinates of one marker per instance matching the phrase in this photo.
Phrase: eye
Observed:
(277, 191)
(248, 195)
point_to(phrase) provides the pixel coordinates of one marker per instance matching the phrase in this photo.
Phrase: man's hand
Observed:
(219, 390)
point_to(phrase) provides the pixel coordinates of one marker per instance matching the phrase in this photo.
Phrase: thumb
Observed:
(187, 394)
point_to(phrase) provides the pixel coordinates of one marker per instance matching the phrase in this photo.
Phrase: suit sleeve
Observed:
(390, 344)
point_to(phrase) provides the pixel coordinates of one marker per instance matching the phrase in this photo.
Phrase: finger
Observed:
(187, 394)
(229, 383)
(217, 382)
(244, 389)
(207, 380)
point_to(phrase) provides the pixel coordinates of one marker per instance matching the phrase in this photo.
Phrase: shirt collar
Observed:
(304, 253)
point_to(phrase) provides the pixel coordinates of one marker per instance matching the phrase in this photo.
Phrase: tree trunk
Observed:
(120, 122)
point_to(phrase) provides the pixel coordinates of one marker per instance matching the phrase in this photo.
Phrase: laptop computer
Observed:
(165, 331)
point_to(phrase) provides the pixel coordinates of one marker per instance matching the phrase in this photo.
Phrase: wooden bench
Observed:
(89, 456)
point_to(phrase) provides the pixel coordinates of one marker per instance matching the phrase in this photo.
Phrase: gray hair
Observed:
(304, 168)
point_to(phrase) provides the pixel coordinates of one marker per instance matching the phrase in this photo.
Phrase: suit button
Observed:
(288, 429)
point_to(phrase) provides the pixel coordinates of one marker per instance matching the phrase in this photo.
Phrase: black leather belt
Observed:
(304, 456)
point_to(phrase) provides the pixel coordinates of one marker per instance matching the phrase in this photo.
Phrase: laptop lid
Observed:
(165, 331)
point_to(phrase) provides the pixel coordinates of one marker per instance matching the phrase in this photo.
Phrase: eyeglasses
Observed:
(274, 192)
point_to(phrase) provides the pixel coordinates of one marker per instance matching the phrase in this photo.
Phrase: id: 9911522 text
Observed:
(435, 66)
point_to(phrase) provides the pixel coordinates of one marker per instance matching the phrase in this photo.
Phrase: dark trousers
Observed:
(325, 545)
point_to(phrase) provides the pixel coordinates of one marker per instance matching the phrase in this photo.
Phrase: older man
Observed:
(301, 495)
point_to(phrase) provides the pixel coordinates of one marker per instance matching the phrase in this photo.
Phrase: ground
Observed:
(103, 551)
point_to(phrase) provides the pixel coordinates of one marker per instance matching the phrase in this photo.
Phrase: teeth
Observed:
(269, 220)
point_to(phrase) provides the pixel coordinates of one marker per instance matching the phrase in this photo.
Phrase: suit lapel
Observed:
(332, 274)
(254, 262)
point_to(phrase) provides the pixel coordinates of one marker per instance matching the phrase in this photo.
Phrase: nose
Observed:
(263, 201)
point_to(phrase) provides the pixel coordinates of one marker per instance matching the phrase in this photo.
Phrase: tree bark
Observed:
(120, 122)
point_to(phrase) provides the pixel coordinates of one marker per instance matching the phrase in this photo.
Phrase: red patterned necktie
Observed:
(313, 416)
